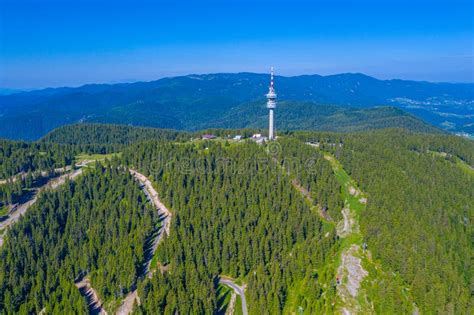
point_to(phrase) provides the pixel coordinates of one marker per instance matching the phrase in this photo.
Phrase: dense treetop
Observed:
(237, 214)
(96, 228)
(100, 134)
(243, 210)
(17, 157)
(418, 220)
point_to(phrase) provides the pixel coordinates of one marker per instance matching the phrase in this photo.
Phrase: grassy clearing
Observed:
(353, 199)
(95, 157)
(373, 287)
(378, 282)
(321, 278)
(348, 185)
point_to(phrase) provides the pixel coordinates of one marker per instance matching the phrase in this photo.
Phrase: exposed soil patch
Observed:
(351, 275)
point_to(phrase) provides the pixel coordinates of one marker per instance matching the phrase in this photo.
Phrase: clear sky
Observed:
(69, 43)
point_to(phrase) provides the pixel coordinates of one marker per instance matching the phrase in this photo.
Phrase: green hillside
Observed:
(375, 221)
(419, 211)
(312, 116)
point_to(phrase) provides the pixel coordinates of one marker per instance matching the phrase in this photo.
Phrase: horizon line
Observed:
(133, 81)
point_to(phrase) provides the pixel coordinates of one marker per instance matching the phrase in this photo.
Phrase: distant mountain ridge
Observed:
(198, 101)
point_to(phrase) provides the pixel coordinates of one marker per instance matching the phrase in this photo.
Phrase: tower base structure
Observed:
(271, 128)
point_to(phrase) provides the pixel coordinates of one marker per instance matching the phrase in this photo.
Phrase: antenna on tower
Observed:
(271, 78)
(271, 105)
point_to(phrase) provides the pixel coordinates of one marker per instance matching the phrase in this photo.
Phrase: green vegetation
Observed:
(292, 115)
(312, 174)
(455, 160)
(235, 215)
(223, 298)
(23, 157)
(465, 167)
(95, 157)
(107, 138)
(382, 292)
(13, 189)
(96, 227)
(3, 211)
(238, 306)
(418, 213)
(266, 215)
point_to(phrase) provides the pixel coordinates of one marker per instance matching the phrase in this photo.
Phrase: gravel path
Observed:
(127, 305)
(94, 303)
(165, 213)
(22, 208)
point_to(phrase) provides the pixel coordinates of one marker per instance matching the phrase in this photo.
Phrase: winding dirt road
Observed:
(36, 173)
(163, 212)
(21, 209)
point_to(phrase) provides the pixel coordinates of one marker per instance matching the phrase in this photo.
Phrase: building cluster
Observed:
(257, 137)
(271, 105)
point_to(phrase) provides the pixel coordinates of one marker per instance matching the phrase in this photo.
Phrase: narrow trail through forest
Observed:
(84, 286)
(350, 272)
(21, 209)
(23, 175)
(152, 195)
(163, 212)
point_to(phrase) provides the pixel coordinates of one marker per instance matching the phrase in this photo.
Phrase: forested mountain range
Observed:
(269, 216)
(201, 101)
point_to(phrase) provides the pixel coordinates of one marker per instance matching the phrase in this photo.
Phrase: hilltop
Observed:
(314, 222)
(199, 101)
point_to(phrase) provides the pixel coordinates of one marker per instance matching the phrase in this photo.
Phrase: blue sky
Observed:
(68, 43)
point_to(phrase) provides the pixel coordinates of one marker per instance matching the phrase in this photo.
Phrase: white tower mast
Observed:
(271, 105)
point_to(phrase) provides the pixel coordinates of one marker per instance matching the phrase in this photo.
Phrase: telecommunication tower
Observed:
(271, 105)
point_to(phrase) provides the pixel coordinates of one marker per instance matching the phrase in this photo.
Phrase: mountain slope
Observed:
(417, 222)
(289, 116)
(293, 115)
(189, 102)
(320, 223)
(101, 134)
